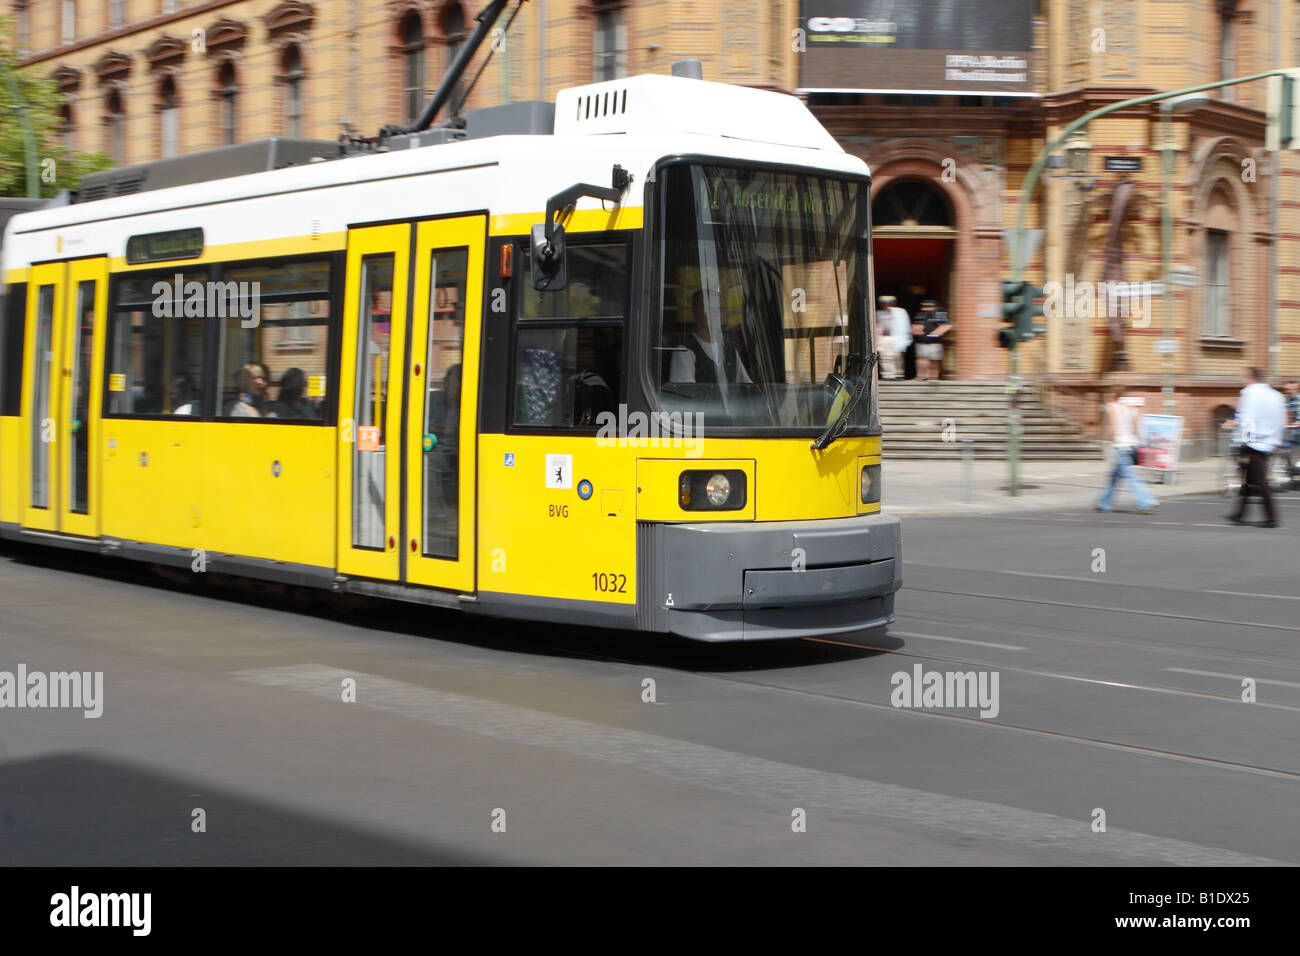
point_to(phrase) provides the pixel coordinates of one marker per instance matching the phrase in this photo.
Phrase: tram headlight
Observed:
(722, 490)
(719, 490)
(870, 484)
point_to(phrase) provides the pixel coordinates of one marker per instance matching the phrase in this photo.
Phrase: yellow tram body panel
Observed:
(258, 492)
(10, 429)
(544, 541)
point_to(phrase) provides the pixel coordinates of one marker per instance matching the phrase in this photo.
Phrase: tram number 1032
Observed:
(612, 583)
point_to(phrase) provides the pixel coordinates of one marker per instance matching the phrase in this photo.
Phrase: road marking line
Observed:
(738, 773)
(1257, 680)
(1280, 597)
(955, 640)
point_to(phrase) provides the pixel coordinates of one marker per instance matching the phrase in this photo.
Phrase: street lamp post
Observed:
(1167, 107)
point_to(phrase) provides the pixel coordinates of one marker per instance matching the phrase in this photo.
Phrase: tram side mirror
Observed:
(548, 258)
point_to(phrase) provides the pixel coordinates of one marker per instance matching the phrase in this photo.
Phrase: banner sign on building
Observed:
(978, 47)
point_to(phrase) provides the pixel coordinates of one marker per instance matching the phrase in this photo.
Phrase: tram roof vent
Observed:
(656, 104)
(221, 163)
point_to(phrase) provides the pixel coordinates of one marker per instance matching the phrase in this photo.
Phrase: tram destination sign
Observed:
(976, 47)
(165, 246)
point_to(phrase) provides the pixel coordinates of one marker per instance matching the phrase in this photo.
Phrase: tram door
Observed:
(370, 401)
(406, 488)
(442, 402)
(62, 392)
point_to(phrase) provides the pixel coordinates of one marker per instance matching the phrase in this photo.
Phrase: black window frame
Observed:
(523, 274)
(651, 295)
(12, 348)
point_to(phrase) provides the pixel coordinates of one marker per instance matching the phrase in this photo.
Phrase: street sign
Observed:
(1033, 238)
(1166, 346)
(1123, 164)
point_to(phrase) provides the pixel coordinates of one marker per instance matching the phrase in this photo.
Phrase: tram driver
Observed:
(704, 357)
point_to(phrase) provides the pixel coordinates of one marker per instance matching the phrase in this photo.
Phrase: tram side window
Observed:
(569, 343)
(12, 338)
(155, 350)
(274, 366)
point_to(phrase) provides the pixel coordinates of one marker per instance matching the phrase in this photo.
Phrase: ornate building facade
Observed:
(152, 78)
(948, 171)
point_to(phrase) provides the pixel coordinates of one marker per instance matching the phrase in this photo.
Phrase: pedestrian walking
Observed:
(1260, 423)
(1121, 425)
(895, 335)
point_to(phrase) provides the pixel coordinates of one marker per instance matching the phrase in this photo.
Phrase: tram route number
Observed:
(611, 583)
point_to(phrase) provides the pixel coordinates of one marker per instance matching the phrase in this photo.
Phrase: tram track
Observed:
(1097, 743)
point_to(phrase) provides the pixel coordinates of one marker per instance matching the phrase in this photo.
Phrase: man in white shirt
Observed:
(707, 358)
(1260, 425)
(894, 335)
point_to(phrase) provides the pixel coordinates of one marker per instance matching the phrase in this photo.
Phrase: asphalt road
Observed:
(1118, 691)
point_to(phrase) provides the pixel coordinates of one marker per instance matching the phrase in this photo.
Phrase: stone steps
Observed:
(915, 415)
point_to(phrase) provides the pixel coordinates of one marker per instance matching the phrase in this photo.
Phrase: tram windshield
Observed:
(764, 296)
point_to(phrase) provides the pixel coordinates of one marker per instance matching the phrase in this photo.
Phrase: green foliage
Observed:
(57, 167)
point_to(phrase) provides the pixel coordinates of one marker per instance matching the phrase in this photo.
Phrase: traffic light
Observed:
(1012, 302)
(1027, 327)
(1281, 131)
(1019, 309)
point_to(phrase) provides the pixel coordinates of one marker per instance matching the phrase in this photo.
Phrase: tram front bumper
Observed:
(731, 581)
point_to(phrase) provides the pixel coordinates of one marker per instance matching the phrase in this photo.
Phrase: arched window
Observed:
(115, 125)
(228, 103)
(412, 34)
(1220, 219)
(169, 118)
(910, 203)
(292, 76)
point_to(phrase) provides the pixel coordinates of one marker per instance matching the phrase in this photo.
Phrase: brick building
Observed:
(148, 78)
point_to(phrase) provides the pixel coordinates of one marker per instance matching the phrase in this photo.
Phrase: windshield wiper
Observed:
(838, 427)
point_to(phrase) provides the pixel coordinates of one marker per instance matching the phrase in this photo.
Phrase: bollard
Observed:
(967, 470)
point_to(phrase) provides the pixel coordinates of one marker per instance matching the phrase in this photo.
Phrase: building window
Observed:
(292, 77)
(169, 116)
(115, 120)
(116, 14)
(451, 22)
(1216, 283)
(610, 42)
(412, 33)
(1227, 46)
(24, 29)
(228, 105)
(69, 21)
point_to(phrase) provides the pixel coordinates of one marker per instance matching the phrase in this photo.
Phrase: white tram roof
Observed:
(634, 122)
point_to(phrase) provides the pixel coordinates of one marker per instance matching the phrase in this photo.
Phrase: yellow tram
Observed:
(603, 361)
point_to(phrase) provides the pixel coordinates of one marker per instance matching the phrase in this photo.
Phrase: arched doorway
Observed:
(914, 241)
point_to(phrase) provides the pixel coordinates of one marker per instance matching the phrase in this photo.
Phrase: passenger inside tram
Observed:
(293, 402)
(250, 384)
